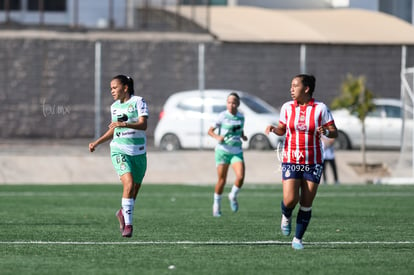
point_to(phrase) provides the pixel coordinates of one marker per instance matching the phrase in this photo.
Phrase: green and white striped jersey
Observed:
(231, 127)
(126, 140)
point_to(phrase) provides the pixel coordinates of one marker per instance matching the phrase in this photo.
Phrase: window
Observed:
(255, 105)
(393, 111)
(377, 112)
(219, 108)
(48, 5)
(205, 2)
(13, 4)
(191, 104)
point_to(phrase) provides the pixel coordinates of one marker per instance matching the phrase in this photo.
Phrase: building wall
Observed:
(47, 86)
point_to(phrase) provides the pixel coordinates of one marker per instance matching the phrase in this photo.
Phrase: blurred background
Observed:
(57, 57)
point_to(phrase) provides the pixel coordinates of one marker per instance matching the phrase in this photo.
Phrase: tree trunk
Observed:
(364, 160)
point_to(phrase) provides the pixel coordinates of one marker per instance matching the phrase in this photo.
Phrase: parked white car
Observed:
(187, 116)
(383, 126)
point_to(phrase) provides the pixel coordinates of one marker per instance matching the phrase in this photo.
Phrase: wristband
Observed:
(326, 132)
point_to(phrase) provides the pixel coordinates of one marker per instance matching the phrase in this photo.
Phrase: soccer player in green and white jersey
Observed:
(129, 114)
(228, 152)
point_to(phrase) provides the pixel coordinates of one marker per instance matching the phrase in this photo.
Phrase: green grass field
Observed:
(72, 229)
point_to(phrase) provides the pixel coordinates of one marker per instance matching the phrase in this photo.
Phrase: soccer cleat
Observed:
(234, 205)
(297, 244)
(127, 233)
(216, 210)
(286, 225)
(121, 220)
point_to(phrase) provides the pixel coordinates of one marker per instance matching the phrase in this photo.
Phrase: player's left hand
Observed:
(321, 130)
(92, 147)
(116, 124)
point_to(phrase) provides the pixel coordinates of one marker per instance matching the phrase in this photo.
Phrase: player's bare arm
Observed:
(141, 124)
(329, 131)
(212, 134)
(279, 130)
(105, 137)
(244, 138)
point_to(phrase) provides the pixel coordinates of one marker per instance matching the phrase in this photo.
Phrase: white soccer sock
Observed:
(127, 209)
(234, 191)
(217, 199)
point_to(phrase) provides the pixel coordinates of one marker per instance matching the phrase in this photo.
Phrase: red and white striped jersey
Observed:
(302, 144)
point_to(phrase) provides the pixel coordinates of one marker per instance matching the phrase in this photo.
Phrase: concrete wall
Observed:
(47, 86)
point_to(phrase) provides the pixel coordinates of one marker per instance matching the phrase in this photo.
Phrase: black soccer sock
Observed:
(302, 221)
(287, 212)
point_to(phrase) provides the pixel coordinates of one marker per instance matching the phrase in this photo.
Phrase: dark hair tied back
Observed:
(126, 80)
(308, 81)
(236, 95)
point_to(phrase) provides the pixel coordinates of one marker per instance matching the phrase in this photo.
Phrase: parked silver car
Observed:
(383, 126)
(187, 116)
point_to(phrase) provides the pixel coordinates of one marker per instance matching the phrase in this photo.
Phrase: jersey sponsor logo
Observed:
(122, 118)
(301, 126)
(236, 128)
(127, 133)
(294, 154)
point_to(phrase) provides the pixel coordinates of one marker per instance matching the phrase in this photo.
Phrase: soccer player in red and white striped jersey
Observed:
(303, 120)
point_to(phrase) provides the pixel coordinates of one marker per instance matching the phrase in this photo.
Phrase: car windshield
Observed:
(193, 104)
(257, 105)
(392, 111)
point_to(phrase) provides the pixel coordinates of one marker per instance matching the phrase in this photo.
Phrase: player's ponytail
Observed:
(126, 80)
(130, 85)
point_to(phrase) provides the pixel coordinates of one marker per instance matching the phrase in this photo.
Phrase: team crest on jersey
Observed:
(122, 167)
(131, 108)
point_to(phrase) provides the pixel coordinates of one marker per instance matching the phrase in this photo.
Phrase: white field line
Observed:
(205, 243)
(202, 194)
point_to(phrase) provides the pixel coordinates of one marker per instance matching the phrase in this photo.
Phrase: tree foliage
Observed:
(359, 101)
(355, 97)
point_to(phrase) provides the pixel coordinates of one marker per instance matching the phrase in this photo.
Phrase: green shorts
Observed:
(136, 165)
(223, 157)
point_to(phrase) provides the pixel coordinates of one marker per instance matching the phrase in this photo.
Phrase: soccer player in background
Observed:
(228, 151)
(329, 158)
(303, 120)
(129, 114)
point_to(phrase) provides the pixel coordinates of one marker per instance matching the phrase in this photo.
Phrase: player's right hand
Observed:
(269, 129)
(92, 147)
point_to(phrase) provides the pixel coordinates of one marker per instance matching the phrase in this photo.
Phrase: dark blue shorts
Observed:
(311, 172)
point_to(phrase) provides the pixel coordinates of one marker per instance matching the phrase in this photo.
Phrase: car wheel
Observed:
(259, 142)
(342, 142)
(170, 142)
